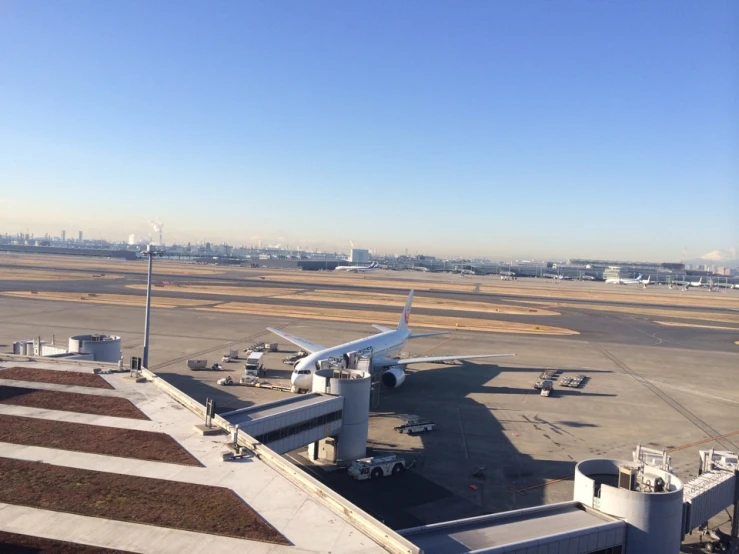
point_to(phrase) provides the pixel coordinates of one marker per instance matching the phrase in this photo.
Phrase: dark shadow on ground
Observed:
(8, 392)
(200, 391)
(466, 467)
(576, 424)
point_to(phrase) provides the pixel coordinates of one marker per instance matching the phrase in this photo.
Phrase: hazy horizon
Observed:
(501, 130)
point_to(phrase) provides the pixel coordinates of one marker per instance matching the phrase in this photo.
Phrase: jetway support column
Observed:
(735, 521)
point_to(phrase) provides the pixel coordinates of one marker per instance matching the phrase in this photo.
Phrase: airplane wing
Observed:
(419, 335)
(432, 359)
(306, 345)
(382, 328)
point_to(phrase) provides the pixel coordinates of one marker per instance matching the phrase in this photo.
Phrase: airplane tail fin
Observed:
(406, 315)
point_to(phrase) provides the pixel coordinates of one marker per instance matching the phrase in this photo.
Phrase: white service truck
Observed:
(415, 425)
(376, 467)
(230, 356)
(254, 365)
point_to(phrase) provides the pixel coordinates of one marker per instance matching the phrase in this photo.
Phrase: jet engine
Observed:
(393, 377)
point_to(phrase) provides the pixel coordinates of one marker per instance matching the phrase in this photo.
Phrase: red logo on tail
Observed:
(407, 314)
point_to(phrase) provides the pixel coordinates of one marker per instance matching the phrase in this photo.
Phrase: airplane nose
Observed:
(300, 381)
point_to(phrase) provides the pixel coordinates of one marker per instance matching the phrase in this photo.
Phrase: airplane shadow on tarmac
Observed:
(469, 452)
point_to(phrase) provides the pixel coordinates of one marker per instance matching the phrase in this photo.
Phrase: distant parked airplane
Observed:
(620, 281)
(385, 345)
(357, 268)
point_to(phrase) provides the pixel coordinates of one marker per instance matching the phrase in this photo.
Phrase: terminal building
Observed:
(359, 256)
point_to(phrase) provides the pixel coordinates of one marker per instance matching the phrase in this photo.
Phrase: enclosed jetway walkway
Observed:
(565, 527)
(291, 423)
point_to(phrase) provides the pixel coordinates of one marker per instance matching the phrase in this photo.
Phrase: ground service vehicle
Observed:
(254, 364)
(376, 467)
(546, 387)
(415, 425)
(197, 364)
(295, 358)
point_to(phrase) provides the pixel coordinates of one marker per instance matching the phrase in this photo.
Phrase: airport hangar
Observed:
(619, 506)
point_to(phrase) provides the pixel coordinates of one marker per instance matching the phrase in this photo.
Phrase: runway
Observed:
(240, 277)
(592, 325)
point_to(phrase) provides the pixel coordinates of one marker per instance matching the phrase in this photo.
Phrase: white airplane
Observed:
(385, 345)
(698, 283)
(619, 281)
(646, 282)
(357, 268)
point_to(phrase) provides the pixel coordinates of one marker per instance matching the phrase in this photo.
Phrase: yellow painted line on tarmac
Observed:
(696, 325)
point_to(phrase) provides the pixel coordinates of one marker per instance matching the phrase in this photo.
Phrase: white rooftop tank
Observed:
(104, 348)
(648, 498)
(354, 386)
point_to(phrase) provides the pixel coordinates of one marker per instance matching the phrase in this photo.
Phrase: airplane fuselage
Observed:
(357, 268)
(619, 281)
(384, 346)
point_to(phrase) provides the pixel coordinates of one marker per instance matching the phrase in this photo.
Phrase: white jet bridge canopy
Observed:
(565, 527)
(288, 424)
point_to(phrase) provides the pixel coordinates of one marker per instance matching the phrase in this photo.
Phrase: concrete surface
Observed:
(305, 523)
(661, 386)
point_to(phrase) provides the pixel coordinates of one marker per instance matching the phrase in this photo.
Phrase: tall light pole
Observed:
(150, 254)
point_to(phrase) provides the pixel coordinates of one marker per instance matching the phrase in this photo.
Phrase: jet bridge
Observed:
(291, 423)
(337, 410)
(715, 489)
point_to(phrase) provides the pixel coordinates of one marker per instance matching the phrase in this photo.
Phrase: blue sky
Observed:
(508, 129)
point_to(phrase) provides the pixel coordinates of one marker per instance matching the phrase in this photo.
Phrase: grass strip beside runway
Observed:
(696, 325)
(566, 290)
(116, 299)
(7, 274)
(654, 312)
(354, 297)
(245, 291)
(387, 318)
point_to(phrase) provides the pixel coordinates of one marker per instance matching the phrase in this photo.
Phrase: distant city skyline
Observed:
(494, 129)
(714, 256)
